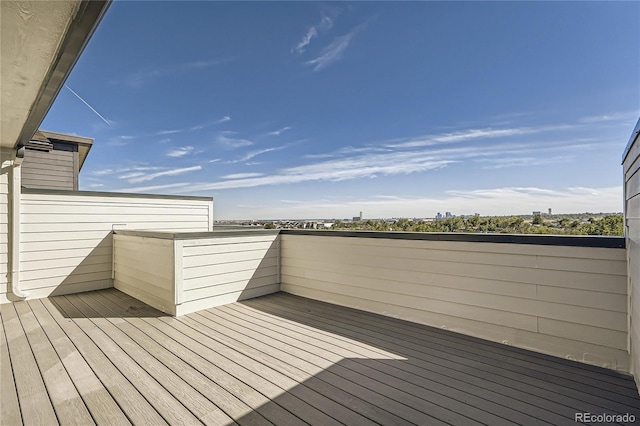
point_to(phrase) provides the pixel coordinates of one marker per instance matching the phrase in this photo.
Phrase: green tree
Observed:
(537, 220)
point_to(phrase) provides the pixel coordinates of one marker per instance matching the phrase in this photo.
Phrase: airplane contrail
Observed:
(90, 107)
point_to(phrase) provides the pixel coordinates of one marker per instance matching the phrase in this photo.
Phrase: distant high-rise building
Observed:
(439, 215)
(448, 214)
(549, 211)
(537, 213)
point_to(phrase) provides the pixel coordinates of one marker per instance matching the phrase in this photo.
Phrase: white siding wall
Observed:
(66, 236)
(632, 213)
(144, 269)
(565, 301)
(216, 271)
(4, 221)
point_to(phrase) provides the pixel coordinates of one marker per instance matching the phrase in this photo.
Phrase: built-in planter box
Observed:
(179, 273)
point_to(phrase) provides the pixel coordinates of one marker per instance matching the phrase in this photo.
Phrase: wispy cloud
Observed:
(194, 128)
(120, 140)
(501, 163)
(487, 201)
(279, 131)
(171, 172)
(180, 152)
(614, 116)
(232, 143)
(333, 51)
(157, 187)
(241, 175)
(312, 32)
(252, 154)
(142, 77)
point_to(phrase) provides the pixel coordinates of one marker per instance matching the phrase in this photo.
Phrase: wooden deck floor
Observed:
(103, 357)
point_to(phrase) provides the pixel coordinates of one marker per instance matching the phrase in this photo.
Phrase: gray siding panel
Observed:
(631, 167)
(53, 169)
(565, 301)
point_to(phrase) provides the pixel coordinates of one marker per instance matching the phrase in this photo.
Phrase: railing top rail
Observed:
(551, 240)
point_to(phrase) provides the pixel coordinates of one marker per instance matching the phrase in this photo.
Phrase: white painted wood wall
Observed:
(565, 301)
(631, 168)
(66, 241)
(5, 162)
(180, 276)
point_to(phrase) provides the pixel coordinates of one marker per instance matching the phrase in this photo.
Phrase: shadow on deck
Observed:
(105, 357)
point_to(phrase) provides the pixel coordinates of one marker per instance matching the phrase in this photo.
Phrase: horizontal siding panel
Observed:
(175, 225)
(541, 293)
(59, 175)
(431, 293)
(510, 249)
(34, 155)
(605, 283)
(490, 316)
(633, 207)
(632, 185)
(51, 249)
(48, 166)
(40, 274)
(566, 262)
(553, 345)
(191, 245)
(230, 247)
(161, 300)
(504, 273)
(208, 270)
(30, 241)
(230, 277)
(197, 305)
(584, 333)
(157, 267)
(132, 218)
(55, 282)
(36, 265)
(30, 211)
(586, 298)
(220, 258)
(74, 199)
(238, 286)
(163, 288)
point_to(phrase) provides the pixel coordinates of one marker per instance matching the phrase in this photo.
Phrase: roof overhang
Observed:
(84, 144)
(41, 42)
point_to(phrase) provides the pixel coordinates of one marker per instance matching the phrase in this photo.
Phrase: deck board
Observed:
(103, 357)
(359, 325)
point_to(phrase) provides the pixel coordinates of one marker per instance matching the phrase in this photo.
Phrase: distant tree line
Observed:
(567, 225)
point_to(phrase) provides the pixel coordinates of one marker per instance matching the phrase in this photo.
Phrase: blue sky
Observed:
(323, 110)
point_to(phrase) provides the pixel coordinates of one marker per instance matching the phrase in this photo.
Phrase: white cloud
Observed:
(142, 77)
(252, 154)
(313, 32)
(332, 52)
(241, 175)
(168, 132)
(171, 172)
(180, 152)
(103, 172)
(156, 187)
(233, 143)
(489, 201)
(279, 131)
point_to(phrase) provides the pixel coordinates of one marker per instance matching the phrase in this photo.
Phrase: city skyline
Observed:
(303, 109)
